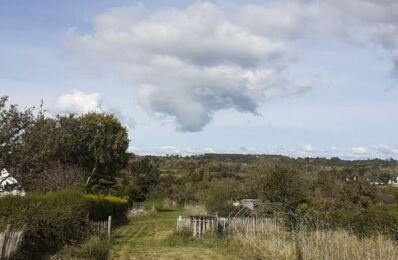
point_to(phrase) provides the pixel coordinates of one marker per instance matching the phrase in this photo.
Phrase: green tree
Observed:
(142, 176)
(13, 124)
(220, 195)
(105, 142)
(95, 142)
(277, 183)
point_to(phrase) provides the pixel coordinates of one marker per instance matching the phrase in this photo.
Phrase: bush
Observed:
(50, 220)
(94, 248)
(377, 220)
(103, 206)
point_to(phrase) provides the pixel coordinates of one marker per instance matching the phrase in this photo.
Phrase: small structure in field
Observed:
(247, 203)
(9, 185)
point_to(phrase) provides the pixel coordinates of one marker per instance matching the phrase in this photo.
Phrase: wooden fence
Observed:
(9, 242)
(183, 224)
(250, 225)
(198, 225)
(102, 228)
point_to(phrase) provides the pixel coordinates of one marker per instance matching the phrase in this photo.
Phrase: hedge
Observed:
(55, 219)
(49, 220)
(103, 206)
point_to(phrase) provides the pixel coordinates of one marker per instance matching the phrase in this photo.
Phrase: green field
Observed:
(152, 237)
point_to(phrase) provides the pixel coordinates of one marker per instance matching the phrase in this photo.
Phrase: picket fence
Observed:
(250, 225)
(102, 228)
(199, 225)
(9, 242)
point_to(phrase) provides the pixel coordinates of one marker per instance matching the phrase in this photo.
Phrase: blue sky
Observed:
(301, 78)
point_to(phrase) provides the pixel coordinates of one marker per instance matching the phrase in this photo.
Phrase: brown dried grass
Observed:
(277, 243)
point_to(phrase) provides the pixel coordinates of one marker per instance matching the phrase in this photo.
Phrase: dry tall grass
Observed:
(277, 243)
(195, 209)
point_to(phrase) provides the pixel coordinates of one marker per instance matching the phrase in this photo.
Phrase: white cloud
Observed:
(189, 63)
(360, 150)
(192, 62)
(208, 150)
(307, 148)
(387, 150)
(173, 150)
(78, 102)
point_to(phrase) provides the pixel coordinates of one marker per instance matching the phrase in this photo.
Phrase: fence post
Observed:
(5, 242)
(109, 226)
(194, 227)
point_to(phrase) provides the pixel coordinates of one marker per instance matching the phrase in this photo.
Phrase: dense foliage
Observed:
(31, 145)
(50, 220)
(55, 219)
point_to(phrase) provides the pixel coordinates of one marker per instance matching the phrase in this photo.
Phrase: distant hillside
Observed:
(237, 165)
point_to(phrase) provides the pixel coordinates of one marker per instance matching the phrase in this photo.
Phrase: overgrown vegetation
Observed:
(277, 243)
(55, 219)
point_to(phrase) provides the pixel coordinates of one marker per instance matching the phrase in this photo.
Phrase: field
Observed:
(152, 237)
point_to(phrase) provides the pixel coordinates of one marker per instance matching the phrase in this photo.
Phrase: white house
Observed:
(9, 185)
(393, 182)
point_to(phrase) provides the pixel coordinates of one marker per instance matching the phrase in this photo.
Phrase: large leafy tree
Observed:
(31, 144)
(13, 125)
(105, 143)
(277, 183)
(96, 142)
(141, 177)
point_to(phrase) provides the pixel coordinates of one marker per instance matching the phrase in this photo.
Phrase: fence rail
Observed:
(9, 242)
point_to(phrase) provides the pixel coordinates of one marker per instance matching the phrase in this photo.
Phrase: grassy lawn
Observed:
(152, 237)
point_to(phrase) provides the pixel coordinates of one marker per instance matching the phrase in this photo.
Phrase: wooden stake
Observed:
(109, 226)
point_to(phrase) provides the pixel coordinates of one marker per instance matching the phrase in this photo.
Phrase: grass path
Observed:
(147, 238)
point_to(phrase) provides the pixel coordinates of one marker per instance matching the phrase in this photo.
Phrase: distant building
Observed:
(393, 182)
(9, 185)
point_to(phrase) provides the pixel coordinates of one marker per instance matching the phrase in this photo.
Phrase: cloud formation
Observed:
(189, 63)
(307, 148)
(192, 62)
(362, 152)
(78, 102)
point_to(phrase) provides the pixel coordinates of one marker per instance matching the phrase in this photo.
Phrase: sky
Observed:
(300, 78)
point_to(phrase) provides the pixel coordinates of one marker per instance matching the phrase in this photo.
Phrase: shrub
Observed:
(50, 220)
(103, 206)
(94, 248)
